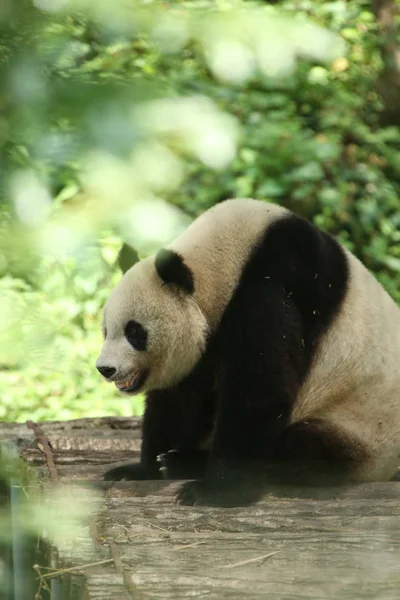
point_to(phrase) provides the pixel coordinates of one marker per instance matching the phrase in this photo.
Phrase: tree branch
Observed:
(388, 84)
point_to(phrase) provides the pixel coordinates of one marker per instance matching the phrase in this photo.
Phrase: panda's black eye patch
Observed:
(136, 335)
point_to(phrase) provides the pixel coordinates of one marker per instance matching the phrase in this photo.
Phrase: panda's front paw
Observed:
(132, 472)
(183, 464)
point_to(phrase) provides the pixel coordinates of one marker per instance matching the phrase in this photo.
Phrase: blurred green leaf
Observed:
(127, 257)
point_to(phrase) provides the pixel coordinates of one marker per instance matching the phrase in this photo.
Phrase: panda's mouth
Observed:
(133, 384)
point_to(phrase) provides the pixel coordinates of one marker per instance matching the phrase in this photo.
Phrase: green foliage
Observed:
(50, 335)
(111, 108)
(314, 142)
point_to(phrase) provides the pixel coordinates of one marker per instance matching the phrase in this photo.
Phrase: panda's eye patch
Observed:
(136, 335)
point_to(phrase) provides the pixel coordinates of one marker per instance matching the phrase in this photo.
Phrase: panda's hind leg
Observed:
(308, 453)
(315, 452)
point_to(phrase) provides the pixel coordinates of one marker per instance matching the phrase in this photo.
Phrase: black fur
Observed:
(247, 382)
(136, 335)
(313, 450)
(171, 268)
(180, 417)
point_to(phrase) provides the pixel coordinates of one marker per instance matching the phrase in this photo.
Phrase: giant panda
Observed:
(267, 352)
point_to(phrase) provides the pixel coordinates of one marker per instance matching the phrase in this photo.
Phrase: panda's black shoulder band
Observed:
(172, 269)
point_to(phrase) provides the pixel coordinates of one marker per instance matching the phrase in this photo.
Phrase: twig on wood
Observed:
(94, 532)
(134, 592)
(78, 568)
(157, 527)
(189, 545)
(249, 560)
(44, 445)
(42, 584)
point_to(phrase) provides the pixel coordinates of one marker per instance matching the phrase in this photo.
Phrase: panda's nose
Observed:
(107, 372)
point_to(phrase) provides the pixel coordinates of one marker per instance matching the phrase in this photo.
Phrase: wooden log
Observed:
(293, 544)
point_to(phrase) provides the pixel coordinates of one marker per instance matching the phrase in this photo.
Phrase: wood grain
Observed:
(294, 544)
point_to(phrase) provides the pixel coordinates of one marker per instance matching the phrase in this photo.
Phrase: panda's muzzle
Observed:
(133, 384)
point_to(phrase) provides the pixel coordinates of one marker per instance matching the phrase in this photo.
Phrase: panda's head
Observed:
(154, 331)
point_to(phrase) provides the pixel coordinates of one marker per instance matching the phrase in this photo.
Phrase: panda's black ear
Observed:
(171, 268)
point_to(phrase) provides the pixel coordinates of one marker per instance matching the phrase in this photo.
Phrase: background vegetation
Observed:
(122, 121)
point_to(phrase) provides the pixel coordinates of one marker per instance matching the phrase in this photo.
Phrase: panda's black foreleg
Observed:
(156, 439)
(260, 363)
(175, 423)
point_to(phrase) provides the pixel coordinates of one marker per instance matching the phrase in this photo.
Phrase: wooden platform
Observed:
(340, 544)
